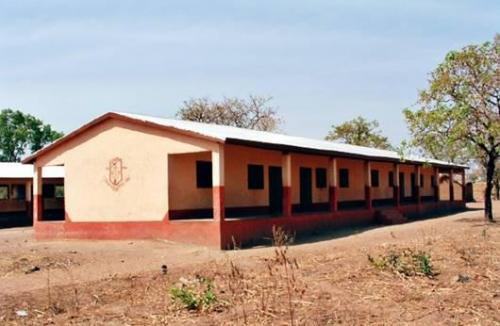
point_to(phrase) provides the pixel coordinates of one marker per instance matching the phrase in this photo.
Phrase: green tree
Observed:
(252, 113)
(359, 131)
(22, 133)
(458, 115)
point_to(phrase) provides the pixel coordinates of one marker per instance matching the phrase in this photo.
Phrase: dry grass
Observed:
(296, 287)
(27, 263)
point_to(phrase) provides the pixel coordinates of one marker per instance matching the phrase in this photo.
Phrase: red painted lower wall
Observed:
(223, 234)
(245, 231)
(204, 232)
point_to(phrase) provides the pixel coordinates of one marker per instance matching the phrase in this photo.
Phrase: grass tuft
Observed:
(406, 262)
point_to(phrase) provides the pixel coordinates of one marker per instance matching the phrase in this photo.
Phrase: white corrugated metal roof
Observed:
(224, 133)
(10, 170)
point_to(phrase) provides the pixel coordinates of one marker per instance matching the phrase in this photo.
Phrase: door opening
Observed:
(402, 186)
(275, 190)
(305, 188)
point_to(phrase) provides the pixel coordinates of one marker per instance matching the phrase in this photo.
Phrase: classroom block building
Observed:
(16, 205)
(134, 176)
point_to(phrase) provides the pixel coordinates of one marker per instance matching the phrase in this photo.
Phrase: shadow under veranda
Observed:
(328, 234)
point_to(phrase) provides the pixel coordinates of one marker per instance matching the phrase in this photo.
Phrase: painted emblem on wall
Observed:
(116, 174)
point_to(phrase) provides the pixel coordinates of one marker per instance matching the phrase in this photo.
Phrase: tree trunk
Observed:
(490, 172)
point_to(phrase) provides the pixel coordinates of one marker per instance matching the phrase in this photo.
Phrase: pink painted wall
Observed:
(356, 189)
(319, 195)
(183, 192)
(384, 191)
(236, 189)
(144, 151)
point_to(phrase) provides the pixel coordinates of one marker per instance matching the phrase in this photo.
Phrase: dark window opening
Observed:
(433, 180)
(203, 174)
(49, 191)
(18, 192)
(413, 181)
(320, 178)
(344, 178)
(4, 192)
(422, 180)
(255, 176)
(391, 179)
(375, 178)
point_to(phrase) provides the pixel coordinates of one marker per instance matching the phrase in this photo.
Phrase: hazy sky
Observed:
(323, 61)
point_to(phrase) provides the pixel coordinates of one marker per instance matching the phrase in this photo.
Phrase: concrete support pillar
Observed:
(28, 198)
(37, 194)
(368, 185)
(452, 195)
(418, 185)
(436, 184)
(218, 183)
(287, 183)
(395, 172)
(333, 184)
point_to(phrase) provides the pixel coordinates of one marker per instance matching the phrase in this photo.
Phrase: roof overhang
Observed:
(298, 149)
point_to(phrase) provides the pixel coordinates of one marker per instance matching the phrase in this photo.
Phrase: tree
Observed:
(459, 112)
(21, 133)
(252, 113)
(359, 131)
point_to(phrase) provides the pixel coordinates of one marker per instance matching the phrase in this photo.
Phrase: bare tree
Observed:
(252, 113)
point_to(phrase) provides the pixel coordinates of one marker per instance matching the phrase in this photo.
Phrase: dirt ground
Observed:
(341, 277)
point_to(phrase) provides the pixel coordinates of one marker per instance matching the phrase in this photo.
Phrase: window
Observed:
(4, 192)
(422, 180)
(433, 180)
(255, 176)
(59, 191)
(391, 179)
(375, 178)
(48, 191)
(18, 192)
(320, 178)
(344, 178)
(413, 181)
(203, 174)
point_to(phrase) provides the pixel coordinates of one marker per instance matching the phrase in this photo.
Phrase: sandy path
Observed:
(83, 261)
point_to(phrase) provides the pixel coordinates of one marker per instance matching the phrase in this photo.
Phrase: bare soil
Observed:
(323, 280)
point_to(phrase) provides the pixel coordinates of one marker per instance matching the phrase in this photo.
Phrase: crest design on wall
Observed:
(116, 174)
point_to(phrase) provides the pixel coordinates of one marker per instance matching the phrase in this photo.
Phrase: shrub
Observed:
(194, 294)
(407, 262)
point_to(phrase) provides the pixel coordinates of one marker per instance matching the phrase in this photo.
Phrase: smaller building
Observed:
(16, 193)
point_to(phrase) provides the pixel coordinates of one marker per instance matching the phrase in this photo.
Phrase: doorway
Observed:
(402, 186)
(275, 190)
(305, 188)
